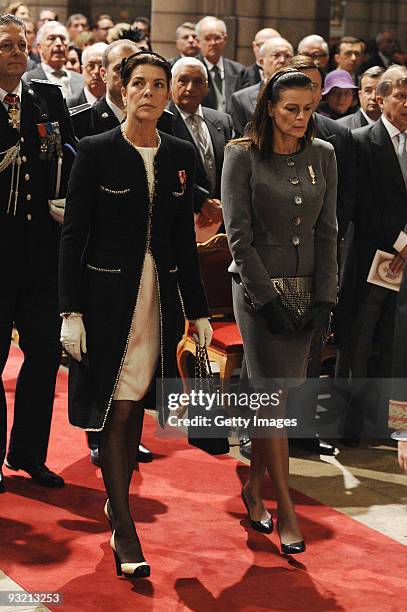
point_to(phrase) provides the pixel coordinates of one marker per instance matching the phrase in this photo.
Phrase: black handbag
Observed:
(204, 381)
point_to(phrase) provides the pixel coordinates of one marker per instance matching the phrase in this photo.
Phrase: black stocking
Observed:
(124, 424)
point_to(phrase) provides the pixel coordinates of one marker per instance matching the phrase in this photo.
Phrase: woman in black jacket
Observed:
(127, 251)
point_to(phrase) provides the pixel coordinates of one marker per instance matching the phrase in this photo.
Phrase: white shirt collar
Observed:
(392, 130)
(120, 114)
(368, 119)
(17, 91)
(185, 115)
(90, 98)
(219, 65)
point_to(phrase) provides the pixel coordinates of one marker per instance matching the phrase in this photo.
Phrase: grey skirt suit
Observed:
(280, 218)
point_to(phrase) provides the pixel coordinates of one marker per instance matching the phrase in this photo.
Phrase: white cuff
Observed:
(400, 434)
(401, 242)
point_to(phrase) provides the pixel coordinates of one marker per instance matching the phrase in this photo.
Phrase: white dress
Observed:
(143, 349)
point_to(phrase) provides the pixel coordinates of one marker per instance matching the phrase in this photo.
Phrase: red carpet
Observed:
(195, 535)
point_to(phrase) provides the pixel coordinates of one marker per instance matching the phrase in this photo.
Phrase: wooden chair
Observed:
(226, 348)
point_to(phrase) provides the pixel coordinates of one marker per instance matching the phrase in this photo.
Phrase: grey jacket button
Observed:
(295, 240)
(298, 200)
(290, 161)
(294, 180)
(296, 220)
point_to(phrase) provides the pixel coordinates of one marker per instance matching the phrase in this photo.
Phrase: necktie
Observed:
(13, 101)
(217, 78)
(205, 150)
(402, 155)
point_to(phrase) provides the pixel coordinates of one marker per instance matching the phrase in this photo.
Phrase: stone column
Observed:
(366, 18)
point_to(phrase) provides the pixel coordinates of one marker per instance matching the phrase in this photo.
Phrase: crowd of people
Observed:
(301, 158)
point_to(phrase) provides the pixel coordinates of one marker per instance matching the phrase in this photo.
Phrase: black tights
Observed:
(118, 448)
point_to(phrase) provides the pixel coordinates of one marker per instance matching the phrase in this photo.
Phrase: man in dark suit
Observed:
(369, 110)
(256, 70)
(380, 218)
(207, 129)
(386, 47)
(52, 42)
(106, 114)
(94, 87)
(274, 54)
(29, 244)
(186, 42)
(225, 76)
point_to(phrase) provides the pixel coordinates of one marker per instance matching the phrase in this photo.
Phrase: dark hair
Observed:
(350, 40)
(260, 130)
(8, 18)
(141, 58)
(74, 17)
(304, 62)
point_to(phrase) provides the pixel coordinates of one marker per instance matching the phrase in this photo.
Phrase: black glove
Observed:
(318, 317)
(278, 317)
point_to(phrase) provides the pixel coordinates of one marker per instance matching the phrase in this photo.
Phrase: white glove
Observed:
(73, 336)
(205, 332)
(57, 209)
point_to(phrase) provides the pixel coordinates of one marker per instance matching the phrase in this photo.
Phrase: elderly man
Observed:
(94, 87)
(186, 42)
(207, 129)
(380, 220)
(256, 69)
(274, 54)
(369, 110)
(75, 24)
(225, 76)
(386, 47)
(52, 42)
(34, 128)
(316, 48)
(349, 55)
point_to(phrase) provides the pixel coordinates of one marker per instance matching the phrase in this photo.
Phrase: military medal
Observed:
(51, 140)
(12, 101)
(42, 132)
(312, 174)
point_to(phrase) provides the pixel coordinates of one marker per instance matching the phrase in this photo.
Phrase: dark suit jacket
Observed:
(76, 99)
(236, 78)
(243, 104)
(220, 129)
(76, 81)
(29, 236)
(174, 59)
(375, 60)
(254, 74)
(341, 139)
(381, 204)
(100, 118)
(354, 121)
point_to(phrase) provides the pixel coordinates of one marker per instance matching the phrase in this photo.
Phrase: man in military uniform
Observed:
(36, 154)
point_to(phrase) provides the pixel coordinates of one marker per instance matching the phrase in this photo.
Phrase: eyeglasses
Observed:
(92, 65)
(215, 38)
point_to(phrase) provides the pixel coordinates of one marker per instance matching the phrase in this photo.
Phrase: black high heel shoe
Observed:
(129, 570)
(266, 526)
(291, 549)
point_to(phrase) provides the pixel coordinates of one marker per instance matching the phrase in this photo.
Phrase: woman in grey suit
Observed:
(279, 201)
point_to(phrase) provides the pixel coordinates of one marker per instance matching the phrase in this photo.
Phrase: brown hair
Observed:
(140, 58)
(260, 133)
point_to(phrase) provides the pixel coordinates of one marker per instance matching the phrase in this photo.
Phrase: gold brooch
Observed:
(312, 174)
